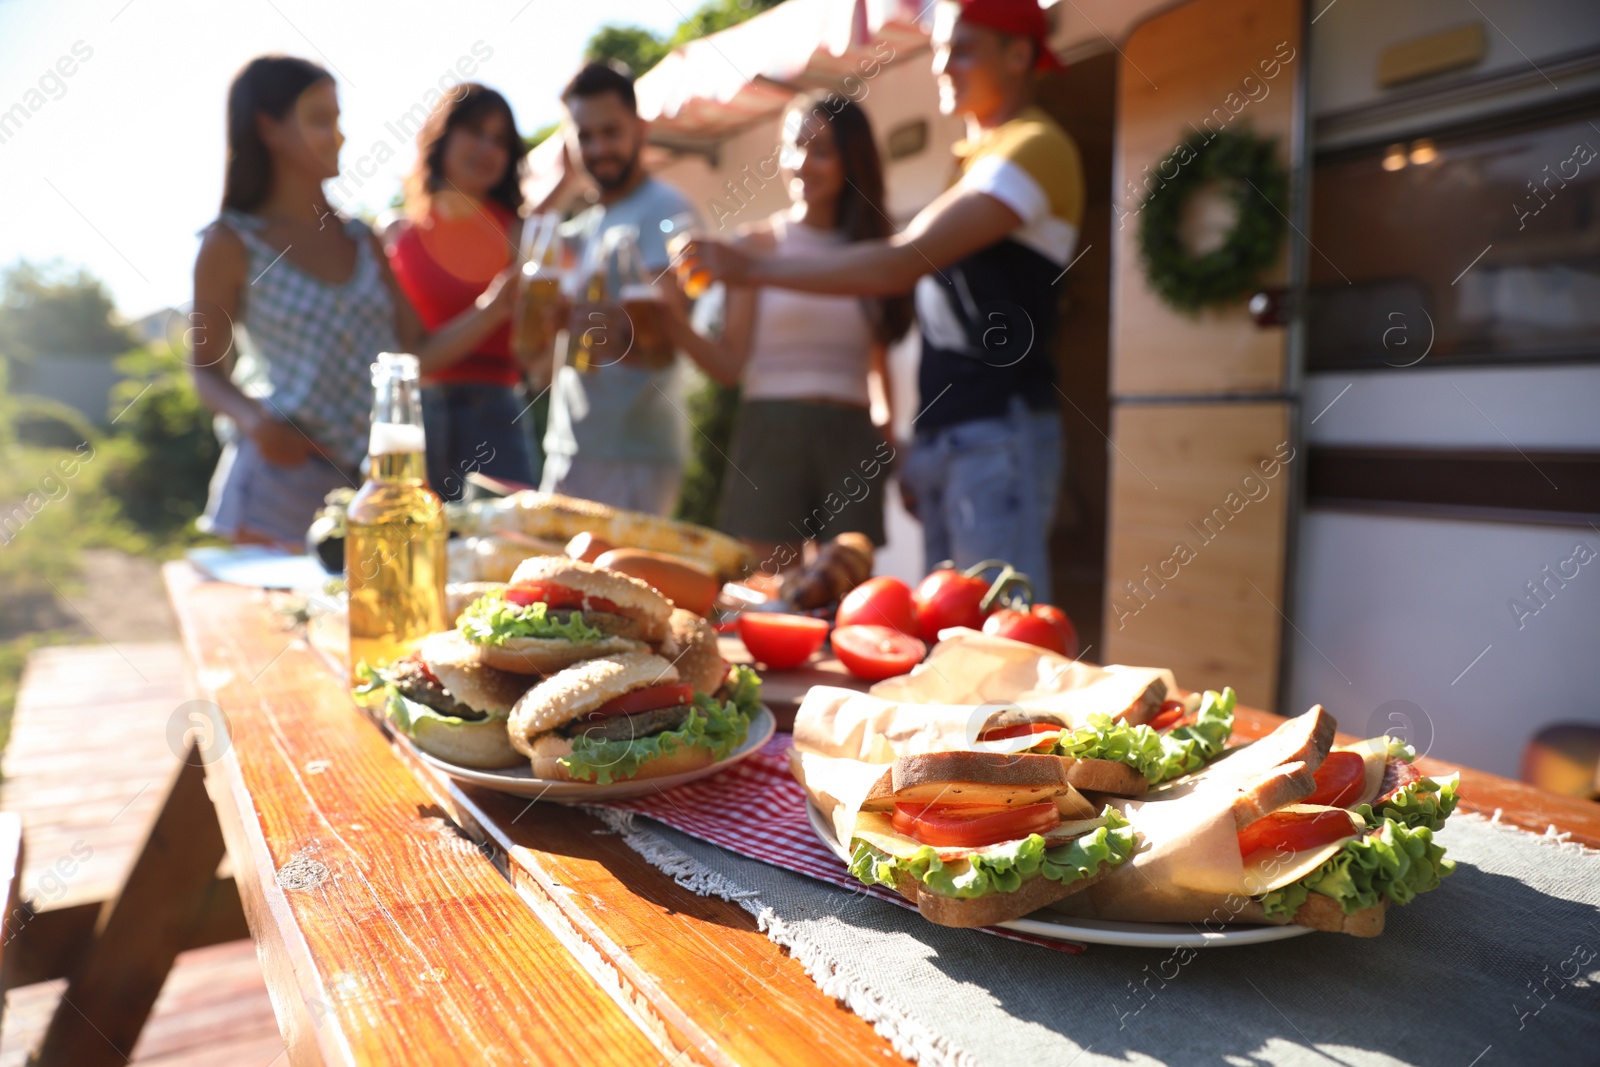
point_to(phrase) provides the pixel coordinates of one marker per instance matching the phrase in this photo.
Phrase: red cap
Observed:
(1019, 18)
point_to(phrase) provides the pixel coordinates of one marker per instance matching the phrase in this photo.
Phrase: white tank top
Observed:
(808, 345)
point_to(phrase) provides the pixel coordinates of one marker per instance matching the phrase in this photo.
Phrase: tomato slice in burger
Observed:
(1020, 729)
(648, 699)
(873, 653)
(1340, 780)
(1292, 831)
(556, 596)
(970, 827)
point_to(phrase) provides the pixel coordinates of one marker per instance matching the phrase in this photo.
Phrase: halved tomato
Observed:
(1171, 711)
(557, 596)
(1340, 780)
(647, 699)
(1292, 831)
(1020, 729)
(954, 826)
(873, 653)
(781, 641)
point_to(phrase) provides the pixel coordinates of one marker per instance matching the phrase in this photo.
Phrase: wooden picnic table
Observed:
(402, 917)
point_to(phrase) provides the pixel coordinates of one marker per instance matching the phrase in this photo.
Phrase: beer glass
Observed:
(692, 277)
(539, 287)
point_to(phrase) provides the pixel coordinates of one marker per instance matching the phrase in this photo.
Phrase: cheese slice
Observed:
(877, 829)
(1269, 869)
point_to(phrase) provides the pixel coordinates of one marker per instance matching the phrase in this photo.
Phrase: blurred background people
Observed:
(986, 461)
(617, 429)
(805, 457)
(318, 302)
(459, 232)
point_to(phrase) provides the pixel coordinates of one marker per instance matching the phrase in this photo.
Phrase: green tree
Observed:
(716, 15)
(634, 45)
(49, 310)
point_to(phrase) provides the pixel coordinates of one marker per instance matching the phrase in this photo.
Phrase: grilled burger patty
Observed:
(628, 727)
(414, 681)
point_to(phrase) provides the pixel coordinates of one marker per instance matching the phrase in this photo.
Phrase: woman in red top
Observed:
(461, 228)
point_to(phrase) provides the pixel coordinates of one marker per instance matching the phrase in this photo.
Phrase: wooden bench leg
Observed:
(141, 931)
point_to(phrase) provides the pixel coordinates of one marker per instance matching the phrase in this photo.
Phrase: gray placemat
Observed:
(1499, 965)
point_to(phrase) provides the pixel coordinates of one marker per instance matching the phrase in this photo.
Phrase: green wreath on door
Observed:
(1246, 166)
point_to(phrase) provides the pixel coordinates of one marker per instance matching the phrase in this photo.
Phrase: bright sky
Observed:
(119, 163)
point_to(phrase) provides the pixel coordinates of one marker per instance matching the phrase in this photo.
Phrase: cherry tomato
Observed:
(1340, 780)
(1020, 729)
(647, 699)
(1171, 711)
(876, 652)
(972, 827)
(879, 602)
(1023, 626)
(782, 642)
(557, 596)
(948, 598)
(1291, 831)
(1058, 618)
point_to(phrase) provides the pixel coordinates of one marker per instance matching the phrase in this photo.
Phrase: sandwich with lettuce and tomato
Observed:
(1287, 829)
(631, 715)
(970, 838)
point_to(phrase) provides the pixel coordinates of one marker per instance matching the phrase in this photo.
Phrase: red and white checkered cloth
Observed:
(756, 809)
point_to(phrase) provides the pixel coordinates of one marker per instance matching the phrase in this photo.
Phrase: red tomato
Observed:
(647, 699)
(948, 598)
(1022, 626)
(971, 827)
(1058, 618)
(782, 642)
(1340, 780)
(1292, 831)
(1171, 711)
(1021, 729)
(879, 602)
(557, 596)
(876, 652)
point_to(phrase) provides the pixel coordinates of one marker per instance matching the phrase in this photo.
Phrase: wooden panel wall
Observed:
(1182, 68)
(1200, 598)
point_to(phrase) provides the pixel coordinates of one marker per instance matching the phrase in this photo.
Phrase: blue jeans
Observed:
(475, 428)
(987, 489)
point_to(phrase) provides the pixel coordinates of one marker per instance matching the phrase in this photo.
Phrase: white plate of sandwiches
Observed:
(1104, 931)
(521, 782)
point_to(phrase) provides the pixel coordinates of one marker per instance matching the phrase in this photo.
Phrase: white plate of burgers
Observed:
(574, 683)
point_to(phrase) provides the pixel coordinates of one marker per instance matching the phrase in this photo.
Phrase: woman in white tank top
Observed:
(806, 462)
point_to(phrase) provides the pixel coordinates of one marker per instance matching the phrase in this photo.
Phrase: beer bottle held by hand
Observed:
(394, 554)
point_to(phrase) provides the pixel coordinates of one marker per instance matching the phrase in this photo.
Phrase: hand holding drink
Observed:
(684, 248)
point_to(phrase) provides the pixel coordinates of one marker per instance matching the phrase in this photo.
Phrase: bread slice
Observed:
(1105, 776)
(455, 662)
(969, 778)
(691, 645)
(582, 688)
(1322, 912)
(1268, 773)
(633, 598)
(991, 908)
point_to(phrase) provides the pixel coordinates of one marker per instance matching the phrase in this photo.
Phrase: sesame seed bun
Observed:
(580, 689)
(454, 661)
(633, 598)
(548, 750)
(691, 644)
(547, 655)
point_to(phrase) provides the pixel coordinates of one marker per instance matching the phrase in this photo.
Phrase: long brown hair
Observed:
(466, 105)
(861, 215)
(267, 85)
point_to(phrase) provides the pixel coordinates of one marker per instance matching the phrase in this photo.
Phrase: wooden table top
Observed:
(403, 917)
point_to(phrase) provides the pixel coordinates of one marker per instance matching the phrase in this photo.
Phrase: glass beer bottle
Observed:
(394, 552)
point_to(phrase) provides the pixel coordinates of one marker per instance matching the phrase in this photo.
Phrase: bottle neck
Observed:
(397, 445)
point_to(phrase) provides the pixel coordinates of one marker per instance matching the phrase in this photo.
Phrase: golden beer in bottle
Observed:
(394, 550)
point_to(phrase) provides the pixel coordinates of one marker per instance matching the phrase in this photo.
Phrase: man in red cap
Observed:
(985, 464)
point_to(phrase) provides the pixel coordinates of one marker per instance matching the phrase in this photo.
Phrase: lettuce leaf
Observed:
(1424, 802)
(1395, 863)
(719, 725)
(1001, 868)
(1158, 757)
(489, 620)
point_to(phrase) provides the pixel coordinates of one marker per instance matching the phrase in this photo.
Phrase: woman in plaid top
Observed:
(318, 303)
